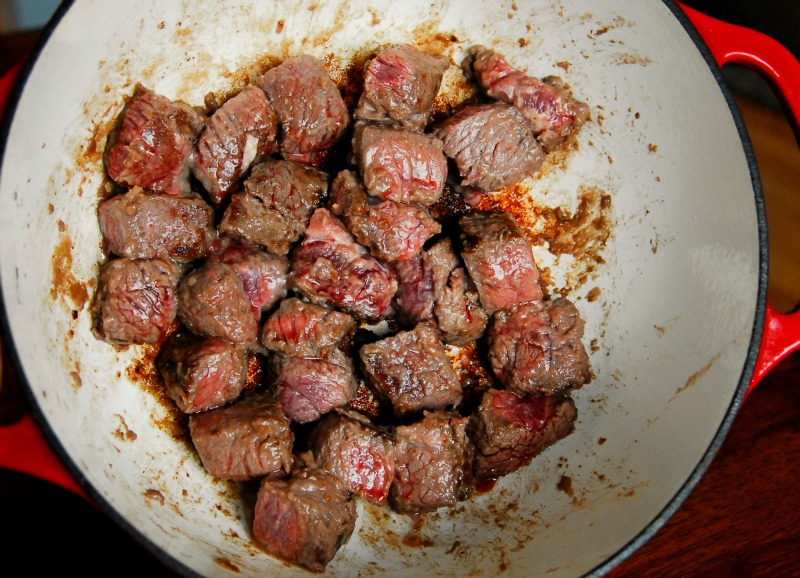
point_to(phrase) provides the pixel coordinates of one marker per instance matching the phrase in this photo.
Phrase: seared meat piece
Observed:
(153, 143)
(499, 259)
(400, 85)
(491, 144)
(213, 303)
(400, 165)
(330, 268)
(508, 430)
(391, 231)
(310, 109)
(536, 347)
(273, 211)
(301, 329)
(136, 300)
(142, 225)
(413, 299)
(412, 370)
(458, 314)
(263, 274)
(305, 519)
(547, 105)
(202, 373)
(433, 463)
(246, 439)
(244, 130)
(309, 387)
(345, 444)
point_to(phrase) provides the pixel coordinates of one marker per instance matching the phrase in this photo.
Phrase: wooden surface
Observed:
(741, 520)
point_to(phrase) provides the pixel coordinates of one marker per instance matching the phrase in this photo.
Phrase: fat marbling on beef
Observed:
(547, 105)
(304, 519)
(400, 85)
(310, 109)
(499, 259)
(243, 440)
(433, 460)
(242, 131)
(141, 225)
(152, 144)
(301, 329)
(136, 300)
(391, 231)
(413, 300)
(263, 274)
(273, 210)
(536, 347)
(509, 430)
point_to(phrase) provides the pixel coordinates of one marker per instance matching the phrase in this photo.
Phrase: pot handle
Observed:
(732, 44)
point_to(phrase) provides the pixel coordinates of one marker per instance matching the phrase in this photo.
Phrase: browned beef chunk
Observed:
(400, 85)
(412, 370)
(305, 519)
(310, 109)
(433, 463)
(491, 144)
(391, 231)
(509, 430)
(413, 300)
(330, 268)
(142, 225)
(400, 165)
(244, 130)
(153, 143)
(273, 210)
(213, 303)
(136, 300)
(301, 329)
(263, 274)
(246, 439)
(309, 387)
(547, 105)
(345, 444)
(536, 347)
(499, 259)
(458, 314)
(202, 373)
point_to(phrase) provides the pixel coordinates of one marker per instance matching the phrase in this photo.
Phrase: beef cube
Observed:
(499, 259)
(458, 314)
(391, 231)
(263, 274)
(309, 387)
(491, 144)
(136, 300)
(152, 144)
(142, 225)
(246, 439)
(509, 430)
(301, 329)
(547, 105)
(347, 445)
(400, 165)
(400, 85)
(213, 303)
(274, 208)
(413, 299)
(329, 268)
(202, 373)
(536, 347)
(310, 109)
(433, 460)
(244, 130)
(412, 370)
(304, 520)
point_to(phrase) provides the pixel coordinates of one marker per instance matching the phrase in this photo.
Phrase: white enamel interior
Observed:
(678, 290)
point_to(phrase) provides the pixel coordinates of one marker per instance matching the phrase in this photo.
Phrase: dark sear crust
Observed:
(403, 342)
